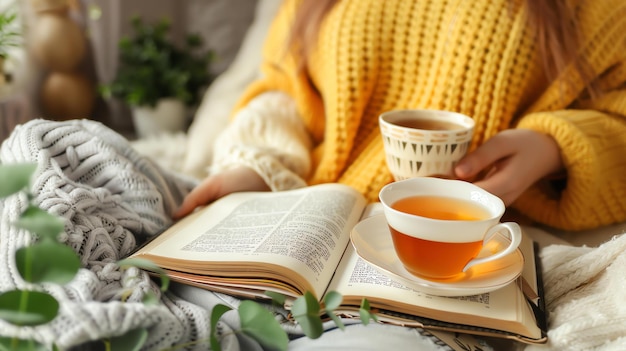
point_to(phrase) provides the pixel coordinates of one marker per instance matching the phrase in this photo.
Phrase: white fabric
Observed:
(586, 296)
(267, 136)
(371, 337)
(167, 149)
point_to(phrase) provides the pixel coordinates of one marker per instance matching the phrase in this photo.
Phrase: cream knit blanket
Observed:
(586, 296)
(112, 199)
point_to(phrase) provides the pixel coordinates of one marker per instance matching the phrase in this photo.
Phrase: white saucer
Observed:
(372, 241)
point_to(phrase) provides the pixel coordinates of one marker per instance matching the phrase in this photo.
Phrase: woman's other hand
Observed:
(510, 162)
(219, 185)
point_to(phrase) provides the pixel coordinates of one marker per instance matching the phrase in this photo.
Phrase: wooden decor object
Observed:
(57, 42)
(59, 46)
(67, 94)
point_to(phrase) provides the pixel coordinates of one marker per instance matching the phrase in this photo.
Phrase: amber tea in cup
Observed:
(440, 207)
(421, 143)
(439, 226)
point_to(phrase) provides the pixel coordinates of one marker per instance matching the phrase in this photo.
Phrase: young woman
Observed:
(544, 81)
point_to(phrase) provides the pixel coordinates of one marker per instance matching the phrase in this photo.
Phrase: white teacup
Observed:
(439, 226)
(422, 143)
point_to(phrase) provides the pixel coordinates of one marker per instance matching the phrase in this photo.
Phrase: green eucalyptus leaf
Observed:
(47, 261)
(337, 321)
(133, 340)
(40, 222)
(15, 344)
(365, 304)
(306, 311)
(260, 324)
(216, 314)
(15, 177)
(332, 300)
(150, 298)
(28, 308)
(148, 265)
(277, 298)
(365, 314)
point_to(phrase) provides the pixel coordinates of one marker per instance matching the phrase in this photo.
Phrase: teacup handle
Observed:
(515, 235)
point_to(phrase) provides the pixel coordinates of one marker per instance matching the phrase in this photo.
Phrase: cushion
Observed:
(214, 110)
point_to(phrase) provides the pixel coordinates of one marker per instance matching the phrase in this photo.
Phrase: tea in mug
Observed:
(436, 259)
(427, 124)
(438, 230)
(433, 259)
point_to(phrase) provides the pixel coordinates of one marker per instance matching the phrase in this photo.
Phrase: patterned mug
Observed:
(420, 143)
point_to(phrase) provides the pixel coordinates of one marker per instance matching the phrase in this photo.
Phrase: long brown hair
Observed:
(308, 18)
(558, 39)
(558, 36)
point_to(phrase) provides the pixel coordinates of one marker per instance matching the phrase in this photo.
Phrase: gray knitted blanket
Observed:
(112, 199)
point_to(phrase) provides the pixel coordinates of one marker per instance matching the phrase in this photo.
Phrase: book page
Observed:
(304, 231)
(360, 278)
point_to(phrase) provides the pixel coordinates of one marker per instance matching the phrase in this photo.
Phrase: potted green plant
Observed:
(158, 79)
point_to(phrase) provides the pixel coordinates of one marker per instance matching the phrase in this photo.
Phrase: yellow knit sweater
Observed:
(475, 57)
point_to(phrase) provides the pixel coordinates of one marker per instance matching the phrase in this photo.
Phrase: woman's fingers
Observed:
(484, 157)
(204, 193)
(219, 185)
(504, 181)
(510, 162)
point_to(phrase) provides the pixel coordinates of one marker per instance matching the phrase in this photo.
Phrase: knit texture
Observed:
(268, 137)
(478, 58)
(111, 200)
(585, 294)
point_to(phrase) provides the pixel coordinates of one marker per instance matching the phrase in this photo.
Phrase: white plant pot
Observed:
(168, 116)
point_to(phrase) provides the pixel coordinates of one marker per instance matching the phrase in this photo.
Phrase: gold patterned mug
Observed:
(421, 143)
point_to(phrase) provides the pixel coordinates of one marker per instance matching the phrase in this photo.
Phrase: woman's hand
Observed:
(219, 185)
(510, 162)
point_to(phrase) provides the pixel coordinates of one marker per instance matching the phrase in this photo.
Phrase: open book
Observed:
(299, 240)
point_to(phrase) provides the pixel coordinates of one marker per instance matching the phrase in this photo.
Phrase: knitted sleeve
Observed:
(268, 136)
(591, 132)
(593, 143)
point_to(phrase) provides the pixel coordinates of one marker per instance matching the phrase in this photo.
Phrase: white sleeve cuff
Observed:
(269, 137)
